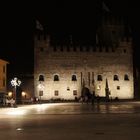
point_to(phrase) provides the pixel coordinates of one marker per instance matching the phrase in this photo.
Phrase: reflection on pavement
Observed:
(73, 108)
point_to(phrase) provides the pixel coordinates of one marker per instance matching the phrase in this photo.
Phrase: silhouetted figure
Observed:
(93, 98)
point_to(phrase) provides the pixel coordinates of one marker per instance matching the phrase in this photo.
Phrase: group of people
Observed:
(87, 98)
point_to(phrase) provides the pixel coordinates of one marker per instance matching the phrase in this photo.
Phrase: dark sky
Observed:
(59, 18)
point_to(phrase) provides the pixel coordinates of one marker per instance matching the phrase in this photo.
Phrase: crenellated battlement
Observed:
(44, 42)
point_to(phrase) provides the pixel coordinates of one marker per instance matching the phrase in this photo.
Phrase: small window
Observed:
(116, 78)
(56, 78)
(41, 78)
(74, 92)
(68, 88)
(126, 78)
(56, 92)
(99, 78)
(74, 78)
(118, 87)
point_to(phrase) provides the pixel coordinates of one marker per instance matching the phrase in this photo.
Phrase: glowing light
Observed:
(16, 112)
(15, 82)
(99, 87)
(41, 86)
(19, 129)
(23, 93)
(10, 94)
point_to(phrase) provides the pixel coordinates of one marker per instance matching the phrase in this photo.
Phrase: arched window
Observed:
(116, 78)
(41, 78)
(74, 78)
(56, 78)
(99, 78)
(126, 78)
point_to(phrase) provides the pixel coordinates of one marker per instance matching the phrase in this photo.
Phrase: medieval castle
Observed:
(69, 71)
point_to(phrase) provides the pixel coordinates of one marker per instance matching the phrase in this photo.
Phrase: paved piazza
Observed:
(71, 121)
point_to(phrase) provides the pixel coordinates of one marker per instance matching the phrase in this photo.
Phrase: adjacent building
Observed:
(3, 77)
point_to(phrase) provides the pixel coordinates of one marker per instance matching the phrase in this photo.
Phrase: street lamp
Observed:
(10, 94)
(15, 82)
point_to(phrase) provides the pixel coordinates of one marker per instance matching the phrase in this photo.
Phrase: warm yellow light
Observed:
(23, 93)
(9, 94)
(16, 112)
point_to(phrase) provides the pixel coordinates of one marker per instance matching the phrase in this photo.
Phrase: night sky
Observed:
(60, 18)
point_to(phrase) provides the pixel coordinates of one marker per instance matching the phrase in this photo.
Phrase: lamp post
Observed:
(15, 82)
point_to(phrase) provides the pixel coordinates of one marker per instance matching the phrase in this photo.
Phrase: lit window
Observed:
(126, 78)
(41, 78)
(74, 78)
(99, 78)
(116, 78)
(56, 78)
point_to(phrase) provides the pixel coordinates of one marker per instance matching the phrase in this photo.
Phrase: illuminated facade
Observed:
(66, 72)
(3, 76)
